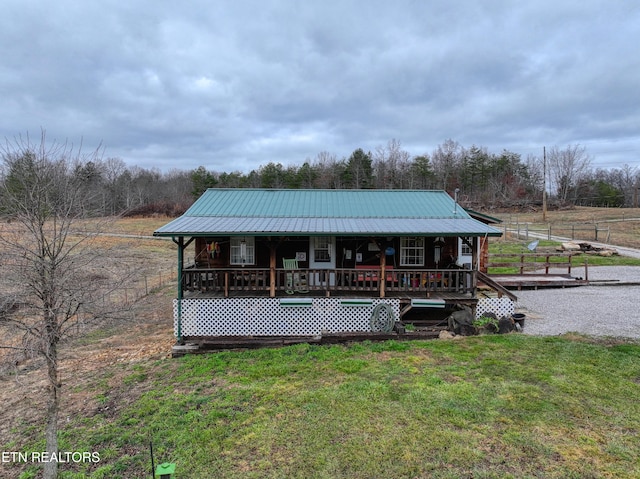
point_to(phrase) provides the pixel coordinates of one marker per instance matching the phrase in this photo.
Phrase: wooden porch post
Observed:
(484, 254)
(272, 270)
(383, 274)
(181, 247)
(475, 242)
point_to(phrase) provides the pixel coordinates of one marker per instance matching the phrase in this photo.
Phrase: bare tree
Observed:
(566, 168)
(627, 179)
(445, 163)
(53, 277)
(391, 165)
(113, 170)
(330, 170)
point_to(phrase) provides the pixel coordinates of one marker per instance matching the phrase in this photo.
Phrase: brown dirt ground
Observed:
(88, 367)
(94, 366)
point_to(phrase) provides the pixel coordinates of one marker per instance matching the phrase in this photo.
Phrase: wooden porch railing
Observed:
(248, 281)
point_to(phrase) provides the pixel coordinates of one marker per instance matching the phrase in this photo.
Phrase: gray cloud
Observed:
(236, 85)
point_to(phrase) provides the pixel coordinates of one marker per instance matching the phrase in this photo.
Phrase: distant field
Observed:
(620, 226)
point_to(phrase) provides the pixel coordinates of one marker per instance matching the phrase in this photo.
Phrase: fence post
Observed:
(586, 270)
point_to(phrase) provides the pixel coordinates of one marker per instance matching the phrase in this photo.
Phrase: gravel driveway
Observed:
(596, 310)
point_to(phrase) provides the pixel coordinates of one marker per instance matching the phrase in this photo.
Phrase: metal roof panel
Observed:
(324, 212)
(324, 203)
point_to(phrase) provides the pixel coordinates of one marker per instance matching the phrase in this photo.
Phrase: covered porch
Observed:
(357, 281)
(328, 265)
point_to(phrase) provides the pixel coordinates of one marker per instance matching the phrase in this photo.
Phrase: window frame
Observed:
(465, 249)
(325, 248)
(235, 250)
(414, 252)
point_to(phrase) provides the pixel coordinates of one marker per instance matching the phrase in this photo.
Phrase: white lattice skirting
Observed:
(276, 316)
(500, 306)
(293, 316)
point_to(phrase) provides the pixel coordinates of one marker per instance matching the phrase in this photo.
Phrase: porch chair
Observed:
(296, 281)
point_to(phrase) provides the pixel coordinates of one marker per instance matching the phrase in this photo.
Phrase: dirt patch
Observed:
(92, 371)
(103, 358)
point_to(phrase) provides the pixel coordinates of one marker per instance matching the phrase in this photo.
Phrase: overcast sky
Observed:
(236, 84)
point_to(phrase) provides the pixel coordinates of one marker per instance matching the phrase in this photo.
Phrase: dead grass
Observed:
(102, 358)
(141, 226)
(144, 335)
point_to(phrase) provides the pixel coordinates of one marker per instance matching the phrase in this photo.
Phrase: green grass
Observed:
(517, 248)
(508, 406)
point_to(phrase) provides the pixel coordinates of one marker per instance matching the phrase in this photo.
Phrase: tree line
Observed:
(483, 179)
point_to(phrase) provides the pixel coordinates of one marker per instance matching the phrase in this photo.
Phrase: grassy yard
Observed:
(483, 407)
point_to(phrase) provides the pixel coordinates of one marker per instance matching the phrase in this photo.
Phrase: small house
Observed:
(298, 263)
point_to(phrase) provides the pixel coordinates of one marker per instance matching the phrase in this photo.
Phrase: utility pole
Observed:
(544, 183)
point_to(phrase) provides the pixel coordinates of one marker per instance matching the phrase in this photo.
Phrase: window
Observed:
(243, 250)
(412, 251)
(322, 249)
(466, 249)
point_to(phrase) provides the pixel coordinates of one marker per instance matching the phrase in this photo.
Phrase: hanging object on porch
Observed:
(390, 251)
(213, 249)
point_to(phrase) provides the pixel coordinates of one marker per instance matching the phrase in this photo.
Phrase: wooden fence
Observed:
(530, 262)
(585, 232)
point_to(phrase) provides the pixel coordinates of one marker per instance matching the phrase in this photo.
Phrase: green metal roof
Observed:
(308, 212)
(483, 216)
(248, 203)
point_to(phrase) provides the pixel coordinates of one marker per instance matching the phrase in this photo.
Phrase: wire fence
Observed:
(140, 287)
(119, 302)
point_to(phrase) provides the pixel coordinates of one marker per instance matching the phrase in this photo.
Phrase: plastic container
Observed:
(519, 318)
